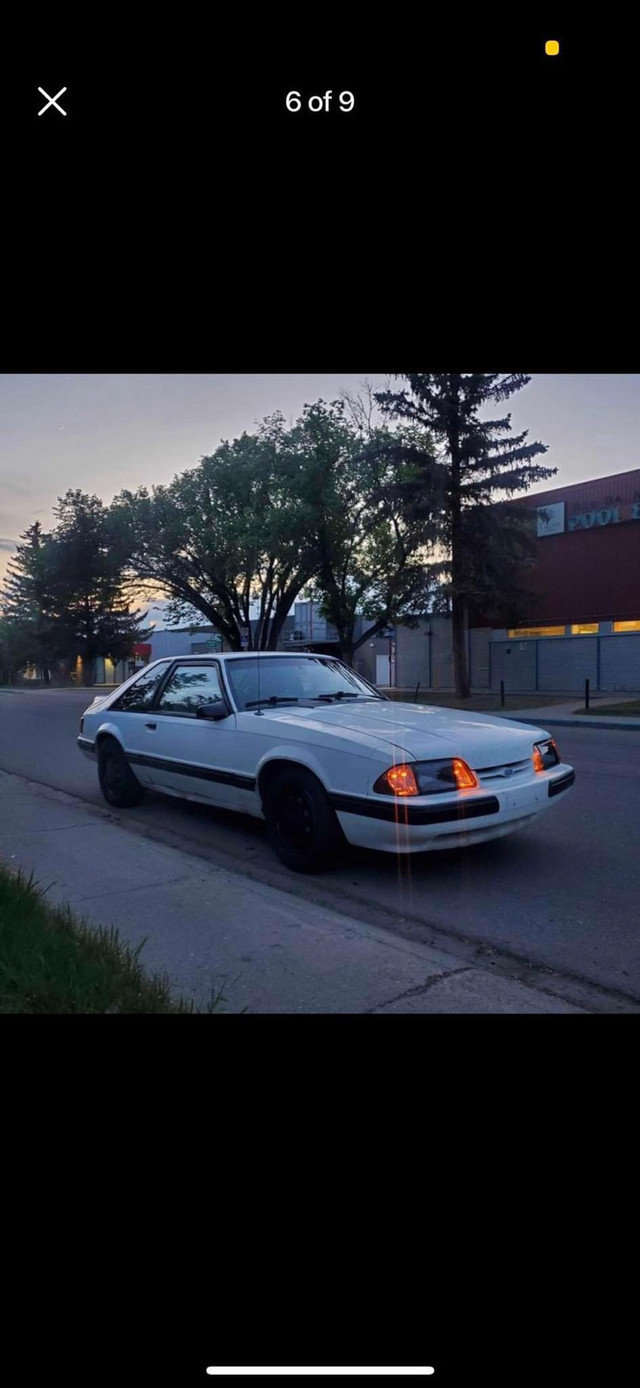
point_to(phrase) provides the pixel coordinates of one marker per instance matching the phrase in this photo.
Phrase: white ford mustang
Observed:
(303, 742)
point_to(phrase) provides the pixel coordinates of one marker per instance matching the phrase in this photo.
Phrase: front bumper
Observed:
(87, 745)
(418, 825)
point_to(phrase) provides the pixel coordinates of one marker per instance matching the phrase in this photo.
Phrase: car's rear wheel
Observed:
(301, 825)
(117, 781)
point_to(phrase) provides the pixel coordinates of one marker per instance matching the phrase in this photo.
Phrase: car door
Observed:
(190, 755)
(128, 714)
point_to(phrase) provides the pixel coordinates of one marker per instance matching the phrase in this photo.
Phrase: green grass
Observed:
(629, 709)
(477, 703)
(52, 961)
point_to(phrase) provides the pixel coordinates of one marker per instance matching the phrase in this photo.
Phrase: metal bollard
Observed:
(502, 692)
(586, 695)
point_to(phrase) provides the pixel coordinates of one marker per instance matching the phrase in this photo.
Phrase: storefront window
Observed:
(626, 626)
(584, 629)
(536, 631)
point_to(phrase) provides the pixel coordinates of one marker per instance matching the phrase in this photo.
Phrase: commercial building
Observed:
(582, 623)
(588, 560)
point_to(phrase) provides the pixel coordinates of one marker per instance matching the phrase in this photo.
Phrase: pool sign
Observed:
(604, 515)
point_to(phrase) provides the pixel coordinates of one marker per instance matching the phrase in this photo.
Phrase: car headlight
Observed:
(545, 754)
(426, 778)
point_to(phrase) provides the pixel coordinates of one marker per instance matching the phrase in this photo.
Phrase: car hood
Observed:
(421, 730)
(95, 704)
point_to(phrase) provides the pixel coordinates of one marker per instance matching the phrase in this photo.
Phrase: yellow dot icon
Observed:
(552, 48)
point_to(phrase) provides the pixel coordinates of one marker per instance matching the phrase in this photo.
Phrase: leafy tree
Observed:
(476, 460)
(235, 530)
(371, 560)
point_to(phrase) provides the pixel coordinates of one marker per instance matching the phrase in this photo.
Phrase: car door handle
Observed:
(151, 725)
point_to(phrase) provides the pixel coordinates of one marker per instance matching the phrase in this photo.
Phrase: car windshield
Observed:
(298, 678)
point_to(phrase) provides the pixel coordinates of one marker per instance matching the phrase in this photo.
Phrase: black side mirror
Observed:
(214, 711)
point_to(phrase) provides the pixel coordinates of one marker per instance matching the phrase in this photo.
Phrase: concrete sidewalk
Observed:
(547, 715)
(564, 715)
(210, 929)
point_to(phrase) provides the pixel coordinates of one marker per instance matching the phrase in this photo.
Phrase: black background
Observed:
(179, 218)
(459, 1194)
(182, 1193)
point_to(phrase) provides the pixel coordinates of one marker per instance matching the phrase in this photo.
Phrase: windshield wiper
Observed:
(339, 694)
(273, 699)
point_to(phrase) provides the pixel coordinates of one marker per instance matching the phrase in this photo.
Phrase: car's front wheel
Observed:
(301, 825)
(117, 781)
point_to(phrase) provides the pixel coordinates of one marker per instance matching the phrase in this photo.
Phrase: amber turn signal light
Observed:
(401, 780)
(465, 778)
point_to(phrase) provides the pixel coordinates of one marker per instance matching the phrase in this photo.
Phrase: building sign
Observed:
(605, 515)
(551, 519)
(213, 643)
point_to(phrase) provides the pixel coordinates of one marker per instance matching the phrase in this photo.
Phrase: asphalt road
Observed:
(562, 895)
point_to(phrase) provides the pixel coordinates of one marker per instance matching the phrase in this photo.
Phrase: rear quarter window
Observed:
(139, 696)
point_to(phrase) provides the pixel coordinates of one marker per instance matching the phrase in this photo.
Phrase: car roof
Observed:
(243, 655)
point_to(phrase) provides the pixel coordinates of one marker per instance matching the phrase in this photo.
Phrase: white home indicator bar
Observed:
(387, 1373)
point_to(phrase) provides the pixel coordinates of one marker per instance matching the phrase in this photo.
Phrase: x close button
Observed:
(52, 101)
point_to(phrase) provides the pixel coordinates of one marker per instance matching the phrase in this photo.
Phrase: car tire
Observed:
(302, 828)
(117, 781)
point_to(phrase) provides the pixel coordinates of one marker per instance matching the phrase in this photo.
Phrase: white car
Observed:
(303, 742)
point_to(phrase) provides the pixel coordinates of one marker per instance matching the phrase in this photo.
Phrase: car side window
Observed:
(139, 696)
(190, 686)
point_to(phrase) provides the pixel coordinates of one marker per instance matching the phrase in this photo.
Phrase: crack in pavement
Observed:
(50, 829)
(140, 887)
(422, 987)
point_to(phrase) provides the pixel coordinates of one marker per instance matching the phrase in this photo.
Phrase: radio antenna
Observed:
(258, 633)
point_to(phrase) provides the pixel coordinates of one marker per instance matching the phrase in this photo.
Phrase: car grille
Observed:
(508, 771)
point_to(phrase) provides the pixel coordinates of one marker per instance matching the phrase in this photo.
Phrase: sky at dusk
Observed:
(105, 432)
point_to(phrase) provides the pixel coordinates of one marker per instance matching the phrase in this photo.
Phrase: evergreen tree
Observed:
(64, 591)
(86, 598)
(477, 460)
(30, 634)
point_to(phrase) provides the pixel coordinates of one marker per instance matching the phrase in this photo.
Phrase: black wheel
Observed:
(117, 781)
(301, 826)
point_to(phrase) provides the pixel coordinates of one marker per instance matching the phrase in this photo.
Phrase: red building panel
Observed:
(590, 572)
